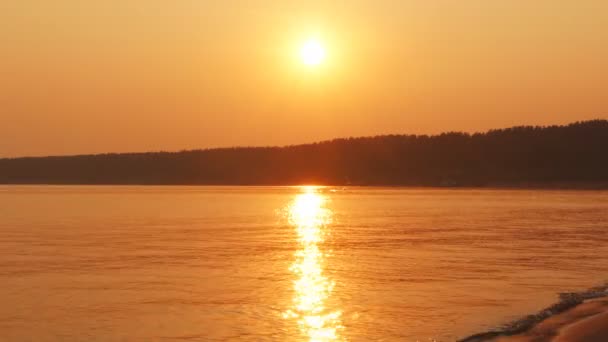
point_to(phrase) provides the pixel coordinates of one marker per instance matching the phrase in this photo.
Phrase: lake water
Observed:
(288, 263)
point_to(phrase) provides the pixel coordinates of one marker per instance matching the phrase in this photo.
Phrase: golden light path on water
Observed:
(310, 218)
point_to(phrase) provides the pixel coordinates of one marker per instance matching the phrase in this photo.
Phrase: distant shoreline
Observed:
(598, 186)
(552, 157)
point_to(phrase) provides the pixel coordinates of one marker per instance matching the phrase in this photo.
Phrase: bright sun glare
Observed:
(312, 52)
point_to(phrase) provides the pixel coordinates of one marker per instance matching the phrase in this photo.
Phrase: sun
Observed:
(312, 52)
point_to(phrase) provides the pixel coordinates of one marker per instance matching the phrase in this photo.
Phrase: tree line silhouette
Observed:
(519, 156)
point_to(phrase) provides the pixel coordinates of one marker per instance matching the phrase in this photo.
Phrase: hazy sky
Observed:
(84, 76)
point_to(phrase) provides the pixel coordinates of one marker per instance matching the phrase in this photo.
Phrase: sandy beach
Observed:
(587, 322)
(577, 316)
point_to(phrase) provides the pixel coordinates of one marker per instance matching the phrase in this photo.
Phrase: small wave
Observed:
(567, 301)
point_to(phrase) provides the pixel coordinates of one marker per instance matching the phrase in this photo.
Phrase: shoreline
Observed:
(577, 317)
(591, 186)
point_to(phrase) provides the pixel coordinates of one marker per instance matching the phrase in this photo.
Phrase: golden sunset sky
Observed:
(84, 76)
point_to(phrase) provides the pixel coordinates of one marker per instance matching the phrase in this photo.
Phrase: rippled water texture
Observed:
(288, 263)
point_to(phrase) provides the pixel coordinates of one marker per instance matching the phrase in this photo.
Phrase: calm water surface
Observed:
(288, 263)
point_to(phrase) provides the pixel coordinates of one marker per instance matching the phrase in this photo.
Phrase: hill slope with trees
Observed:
(519, 156)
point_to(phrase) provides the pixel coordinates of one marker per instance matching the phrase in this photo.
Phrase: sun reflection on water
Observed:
(310, 217)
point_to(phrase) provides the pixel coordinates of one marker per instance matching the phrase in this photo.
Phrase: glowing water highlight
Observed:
(310, 218)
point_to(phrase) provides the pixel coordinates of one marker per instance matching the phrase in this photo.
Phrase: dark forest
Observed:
(576, 154)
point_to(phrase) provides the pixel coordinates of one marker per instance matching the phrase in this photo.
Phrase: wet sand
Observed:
(587, 322)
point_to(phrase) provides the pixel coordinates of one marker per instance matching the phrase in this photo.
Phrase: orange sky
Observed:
(144, 75)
